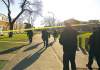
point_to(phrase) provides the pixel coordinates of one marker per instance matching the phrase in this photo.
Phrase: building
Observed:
(82, 25)
(4, 24)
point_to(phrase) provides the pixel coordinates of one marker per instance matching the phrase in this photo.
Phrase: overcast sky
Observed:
(80, 9)
(66, 9)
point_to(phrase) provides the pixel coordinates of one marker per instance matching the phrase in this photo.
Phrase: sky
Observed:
(65, 9)
(79, 9)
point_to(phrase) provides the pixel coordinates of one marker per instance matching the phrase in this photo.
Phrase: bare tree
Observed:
(49, 21)
(26, 5)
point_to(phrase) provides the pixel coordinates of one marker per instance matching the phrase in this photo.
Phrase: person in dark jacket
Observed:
(29, 32)
(45, 36)
(95, 48)
(30, 35)
(68, 39)
(55, 35)
(91, 53)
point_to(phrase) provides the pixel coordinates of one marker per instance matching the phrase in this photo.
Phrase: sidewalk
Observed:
(13, 42)
(81, 59)
(36, 57)
(6, 56)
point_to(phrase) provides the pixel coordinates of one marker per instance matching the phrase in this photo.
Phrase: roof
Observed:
(72, 21)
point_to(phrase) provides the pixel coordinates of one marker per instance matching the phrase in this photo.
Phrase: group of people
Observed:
(68, 39)
(46, 36)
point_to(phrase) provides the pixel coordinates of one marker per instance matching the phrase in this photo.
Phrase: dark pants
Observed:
(93, 54)
(46, 42)
(69, 57)
(30, 39)
(98, 60)
(91, 57)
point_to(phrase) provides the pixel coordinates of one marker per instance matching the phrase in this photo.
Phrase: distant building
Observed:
(94, 21)
(4, 24)
(69, 20)
(82, 25)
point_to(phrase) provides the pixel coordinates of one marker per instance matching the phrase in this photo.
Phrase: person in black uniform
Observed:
(95, 48)
(68, 39)
(45, 36)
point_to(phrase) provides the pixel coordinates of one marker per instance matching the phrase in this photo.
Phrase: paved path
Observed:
(7, 56)
(13, 42)
(36, 57)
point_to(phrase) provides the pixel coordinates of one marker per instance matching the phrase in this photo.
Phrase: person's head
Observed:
(69, 23)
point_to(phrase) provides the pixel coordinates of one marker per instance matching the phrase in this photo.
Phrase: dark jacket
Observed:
(45, 35)
(97, 42)
(29, 33)
(55, 34)
(68, 39)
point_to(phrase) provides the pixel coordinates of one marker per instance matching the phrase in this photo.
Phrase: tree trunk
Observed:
(10, 28)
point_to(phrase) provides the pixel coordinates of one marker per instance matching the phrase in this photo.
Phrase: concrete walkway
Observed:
(7, 56)
(36, 57)
(13, 42)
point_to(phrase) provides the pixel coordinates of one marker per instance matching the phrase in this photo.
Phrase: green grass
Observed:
(8, 45)
(11, 42)
(16, 37)
(2, 64)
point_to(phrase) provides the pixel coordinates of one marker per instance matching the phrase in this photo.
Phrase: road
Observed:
(36, 57)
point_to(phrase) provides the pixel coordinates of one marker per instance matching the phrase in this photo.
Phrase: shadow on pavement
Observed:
(50, 44)
(29, 60)
(11, 50)
(32, 47)
(83, 51)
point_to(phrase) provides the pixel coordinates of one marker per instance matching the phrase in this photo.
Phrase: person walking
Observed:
(29, 32)
(91, 52)
(95, 48)
(45, 36)
(68, 39)
(30, 35)
(55, 35)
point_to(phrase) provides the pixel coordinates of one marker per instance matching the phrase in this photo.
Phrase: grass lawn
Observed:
(11, 46)
(11, 42)
(8, 45)
(2, 64)
(16, 37)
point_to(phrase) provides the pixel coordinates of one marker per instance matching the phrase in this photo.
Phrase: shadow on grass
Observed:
(11, 50)
(29, 60)
(32, 47)
(1, 37)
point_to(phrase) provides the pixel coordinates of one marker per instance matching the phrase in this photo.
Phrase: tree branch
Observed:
(22, 10)
(5, 3)
(17, 16)
(9, 3)
(23, 4)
